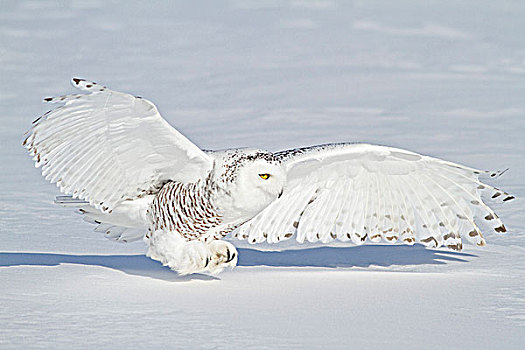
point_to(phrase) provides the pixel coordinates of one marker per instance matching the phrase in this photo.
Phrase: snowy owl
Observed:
(128, 171)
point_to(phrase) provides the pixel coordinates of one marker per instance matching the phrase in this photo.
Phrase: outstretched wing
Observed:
(359, 191)
(106, 147)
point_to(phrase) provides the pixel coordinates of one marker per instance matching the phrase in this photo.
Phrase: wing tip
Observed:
(86, 85)
(79, 83)
(498, 173)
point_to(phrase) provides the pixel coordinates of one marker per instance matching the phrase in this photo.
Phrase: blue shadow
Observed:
(137, 265)
(331, 257)
(355, 256)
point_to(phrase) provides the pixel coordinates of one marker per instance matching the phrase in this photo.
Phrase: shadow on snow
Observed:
(140, 265)
(355, 256)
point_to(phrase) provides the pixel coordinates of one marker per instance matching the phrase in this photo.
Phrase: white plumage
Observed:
(107, 146)
(359, 191)
(135, 176)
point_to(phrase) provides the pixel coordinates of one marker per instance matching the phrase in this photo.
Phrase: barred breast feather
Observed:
(186, 209)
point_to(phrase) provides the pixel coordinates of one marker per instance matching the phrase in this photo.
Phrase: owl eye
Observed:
(264, 176)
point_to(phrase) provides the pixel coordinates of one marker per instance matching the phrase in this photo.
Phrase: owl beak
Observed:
(280, 194)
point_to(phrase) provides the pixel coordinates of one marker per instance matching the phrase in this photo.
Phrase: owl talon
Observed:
(224, 255)
(228, 255)
(230, 258)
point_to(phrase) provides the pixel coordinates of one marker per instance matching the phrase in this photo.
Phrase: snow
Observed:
(441, 78)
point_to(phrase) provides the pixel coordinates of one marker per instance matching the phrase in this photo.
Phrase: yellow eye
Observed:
(264, 176)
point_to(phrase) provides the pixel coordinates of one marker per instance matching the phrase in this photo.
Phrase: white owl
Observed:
(135, 176)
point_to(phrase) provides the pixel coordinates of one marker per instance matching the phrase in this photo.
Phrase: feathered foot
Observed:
(186, 257)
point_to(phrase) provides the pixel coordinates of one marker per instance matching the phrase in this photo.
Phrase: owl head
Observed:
(250, 180)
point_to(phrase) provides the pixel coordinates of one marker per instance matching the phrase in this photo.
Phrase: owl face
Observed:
(250, 180)
(258, 183)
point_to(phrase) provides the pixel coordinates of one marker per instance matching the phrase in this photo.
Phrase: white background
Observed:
(443, 78)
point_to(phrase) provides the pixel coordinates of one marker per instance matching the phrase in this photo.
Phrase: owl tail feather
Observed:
(117, 225)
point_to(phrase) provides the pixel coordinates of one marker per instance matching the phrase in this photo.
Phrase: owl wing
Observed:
(106, 147)
(359, 191)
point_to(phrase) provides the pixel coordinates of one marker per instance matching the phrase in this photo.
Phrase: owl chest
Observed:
(186, 209)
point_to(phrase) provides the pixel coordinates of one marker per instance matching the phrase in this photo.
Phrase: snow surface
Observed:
(443, 78)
